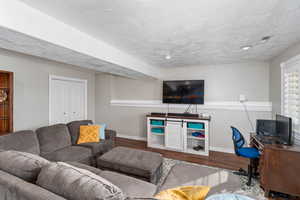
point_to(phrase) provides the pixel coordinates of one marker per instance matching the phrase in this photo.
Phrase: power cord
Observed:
(247, 114)
(188, 108)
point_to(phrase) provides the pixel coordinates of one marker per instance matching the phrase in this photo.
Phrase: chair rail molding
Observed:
(256, 106)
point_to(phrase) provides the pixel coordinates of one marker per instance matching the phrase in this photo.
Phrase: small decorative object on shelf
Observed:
(3, 96)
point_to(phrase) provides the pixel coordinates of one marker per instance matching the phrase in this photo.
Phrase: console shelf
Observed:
(178, 134)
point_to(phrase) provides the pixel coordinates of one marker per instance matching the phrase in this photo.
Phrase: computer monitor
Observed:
(266, 127)
(284, 129)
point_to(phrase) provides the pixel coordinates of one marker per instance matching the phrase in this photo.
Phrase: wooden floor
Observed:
(215, 159)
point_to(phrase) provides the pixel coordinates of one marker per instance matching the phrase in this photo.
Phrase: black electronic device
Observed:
(183, 115)
(183, 92)
(284, 129)
(176, 114)
(266, 127)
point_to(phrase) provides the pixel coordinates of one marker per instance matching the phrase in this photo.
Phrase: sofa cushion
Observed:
(131, 187)
(77, 184)
(86, 167)
(71, 153)
(23, 165)
(187, 175)
(98, 148)
(88, 133)
(14, 188)
(184, 192)
(53, 138)
(25, 141)
(74, 128)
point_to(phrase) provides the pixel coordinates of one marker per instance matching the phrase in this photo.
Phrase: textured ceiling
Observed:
(22, 43)
(193, 32)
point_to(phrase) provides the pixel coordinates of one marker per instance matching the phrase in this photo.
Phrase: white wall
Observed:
(222, 83)
(275, 75)
(31, 87)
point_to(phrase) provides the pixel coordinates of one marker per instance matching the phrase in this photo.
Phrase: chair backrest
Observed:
(238, 139)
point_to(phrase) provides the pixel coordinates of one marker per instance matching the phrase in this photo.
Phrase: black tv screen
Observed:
(183, 92)
(284, 129)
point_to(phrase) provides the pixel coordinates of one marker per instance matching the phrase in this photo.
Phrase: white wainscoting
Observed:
(257, 106)
(132, 137)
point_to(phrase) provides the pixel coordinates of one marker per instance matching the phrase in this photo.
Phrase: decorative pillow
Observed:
(102, 131)
(89, 133)
(184, 193)
(23, 165)
(77, 184)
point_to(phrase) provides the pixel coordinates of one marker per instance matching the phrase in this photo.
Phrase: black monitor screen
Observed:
(183, 92)
(284, 128)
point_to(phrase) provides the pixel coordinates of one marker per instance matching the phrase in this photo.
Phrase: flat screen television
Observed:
(284, 129)
(183, 92)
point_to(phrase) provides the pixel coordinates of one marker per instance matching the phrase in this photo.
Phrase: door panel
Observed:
(174, 138)
(77, 101)
(58, 102)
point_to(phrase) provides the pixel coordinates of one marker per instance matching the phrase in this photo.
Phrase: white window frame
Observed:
(290, 65)
(63, 78)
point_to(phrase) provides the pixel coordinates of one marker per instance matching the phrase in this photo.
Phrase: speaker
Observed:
(266, 127)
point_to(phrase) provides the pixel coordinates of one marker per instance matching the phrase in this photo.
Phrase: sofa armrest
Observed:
(111, 135)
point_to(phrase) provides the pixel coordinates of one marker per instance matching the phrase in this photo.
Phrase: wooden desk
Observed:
(279, 167)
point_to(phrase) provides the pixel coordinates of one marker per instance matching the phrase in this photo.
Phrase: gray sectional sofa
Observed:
(58, 143)
(65, 181)
(53, 144)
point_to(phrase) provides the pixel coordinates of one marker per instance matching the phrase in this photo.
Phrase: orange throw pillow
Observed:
(88, 134)
(184, 193)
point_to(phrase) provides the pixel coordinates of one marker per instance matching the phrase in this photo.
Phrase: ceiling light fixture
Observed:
(265, 39)
(168, 57)
(245, 48)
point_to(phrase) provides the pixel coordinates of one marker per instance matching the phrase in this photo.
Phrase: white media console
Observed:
(178, 133)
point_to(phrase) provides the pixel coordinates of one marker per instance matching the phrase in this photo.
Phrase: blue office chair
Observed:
(246, 152)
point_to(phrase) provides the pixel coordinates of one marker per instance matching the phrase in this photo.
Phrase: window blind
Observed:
(291, 95)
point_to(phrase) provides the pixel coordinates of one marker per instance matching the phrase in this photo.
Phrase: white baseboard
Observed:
(132, 137)
(258, 106)
(219, 149)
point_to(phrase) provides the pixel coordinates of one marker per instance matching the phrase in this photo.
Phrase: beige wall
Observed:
(31, 87)
(223, 83)
(275, 75)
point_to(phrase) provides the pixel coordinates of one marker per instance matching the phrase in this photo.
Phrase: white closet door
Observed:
(67, 100)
